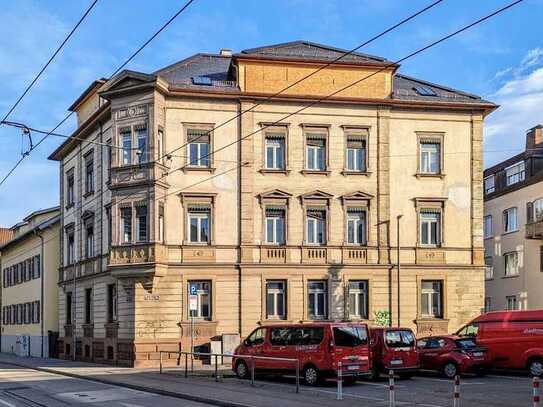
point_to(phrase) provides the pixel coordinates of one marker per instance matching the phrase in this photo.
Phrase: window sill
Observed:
(272, 171)
(315, 172)
(425, 318)
(512, 276)
(488, 237)
(87, 194)
(351, 172)
(198, 169)
(197, 244)
(510, 232)
(425, 175)
(70, 206)
(422, 246)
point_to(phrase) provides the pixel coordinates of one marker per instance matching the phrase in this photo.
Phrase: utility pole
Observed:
(399, 262)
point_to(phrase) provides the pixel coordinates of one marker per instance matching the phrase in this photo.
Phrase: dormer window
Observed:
(489, 184)
(515, 173)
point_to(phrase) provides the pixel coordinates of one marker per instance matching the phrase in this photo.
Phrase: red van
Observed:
(393, 349)
(514, 339)
(318, 347)
(452, 355)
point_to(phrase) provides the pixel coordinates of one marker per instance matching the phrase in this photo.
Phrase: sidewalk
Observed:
(229, 392)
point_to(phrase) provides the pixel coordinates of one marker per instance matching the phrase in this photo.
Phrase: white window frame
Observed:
(277, 146)
(489, 267)
(319, 291)
(312, 224)
(125, 232)
(70, 247)
(489, 187)
(437, 221)
(275, 220)
(203, 295)
(89, 241)
(511, 303)
(355, 219)
(430, 294)
(143, 148)
(510, 220)
(426, 164)
(515, 173)
(538, 210)
(199, 217)
(511, 264)
(139, 208)
(202, 160)
(358, 296)
(126, 151)
(487, 226)
(278, 295)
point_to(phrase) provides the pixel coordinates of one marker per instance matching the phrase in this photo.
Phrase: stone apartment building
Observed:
(29, 261)
(297, 222)
(513, 228)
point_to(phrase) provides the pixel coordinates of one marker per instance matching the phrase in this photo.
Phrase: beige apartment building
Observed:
(513, 229)
(29, 297)
(204, 178)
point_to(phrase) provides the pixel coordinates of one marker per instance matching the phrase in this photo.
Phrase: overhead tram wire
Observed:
(162, 28)
(476, 22)
(87, 12)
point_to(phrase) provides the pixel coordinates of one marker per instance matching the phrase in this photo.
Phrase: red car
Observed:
(452, 355)
(318, 347)
(514, 339)
(393, 349)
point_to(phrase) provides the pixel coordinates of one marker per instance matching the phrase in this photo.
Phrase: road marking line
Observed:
(463, 383)
(520, 379)
(348, 394)
(6, 403)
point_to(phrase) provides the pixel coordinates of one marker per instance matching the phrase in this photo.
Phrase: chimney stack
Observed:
(534, 137)
(225, 52)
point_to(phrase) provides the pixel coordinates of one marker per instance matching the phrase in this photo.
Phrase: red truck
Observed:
(514, 339)
(318, 347)
(393, 349)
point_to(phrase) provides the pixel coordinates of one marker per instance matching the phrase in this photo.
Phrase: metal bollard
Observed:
(536, 391)
(339, 382)
(186, 365)
(160, 353)
(391, 392)
(456, 402)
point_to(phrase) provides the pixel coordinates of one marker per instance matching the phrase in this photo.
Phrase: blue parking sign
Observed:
(193, 289)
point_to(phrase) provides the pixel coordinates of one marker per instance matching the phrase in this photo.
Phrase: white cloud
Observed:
(520, 97)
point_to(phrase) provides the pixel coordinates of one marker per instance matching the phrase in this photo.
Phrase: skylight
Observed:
(201, 80)
(424, 91)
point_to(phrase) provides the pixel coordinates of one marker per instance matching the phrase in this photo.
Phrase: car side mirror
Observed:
(246, 342)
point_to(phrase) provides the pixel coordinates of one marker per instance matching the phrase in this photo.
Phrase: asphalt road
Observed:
(20, 387)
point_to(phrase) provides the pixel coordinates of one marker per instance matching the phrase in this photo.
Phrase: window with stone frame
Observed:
(198, 209)
(316, 225)
(125, 138)
(142, 223)
(202, 291)
(70, 244)
(142, 142)
(430, 214)
(357, 294)
(275, 150)
(89, 237)
(89, 173)
(125, 224)
(70, 187)
(316, 149)
(356, 152)
(317, 301)
(112, 303)
(275, 225)
(199, 147)
(276, 299)
(431, 299)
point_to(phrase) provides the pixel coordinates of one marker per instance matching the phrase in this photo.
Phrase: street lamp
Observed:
(398, 260)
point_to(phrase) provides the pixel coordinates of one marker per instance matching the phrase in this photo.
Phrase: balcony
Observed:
(138, 175)
(137, 254)
(534, 230)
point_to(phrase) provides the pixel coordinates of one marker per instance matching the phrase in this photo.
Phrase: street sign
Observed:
(193, 302)
(193, 289)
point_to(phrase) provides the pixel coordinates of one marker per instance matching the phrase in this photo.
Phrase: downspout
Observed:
(42, 288)
(240, 280)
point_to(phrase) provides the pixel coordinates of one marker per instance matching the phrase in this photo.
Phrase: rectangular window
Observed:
(70, 188)
(109, 161)
(275, 226)
(88, 305)
(141, 223)
(511, 303)
(111, 303)
(37, 312)
(202, 291)
(489, 268)
(89, 241)
(315, 152)
(68, 308)
(70, 247)
(109, 226)
(317, 299)
(161, 222)
(510, 220)
(488, 304)
(538, 210)
(160, 146)
(489, 185)
(355, 154)
(126, 225)
(275, 151)
(430, 227)
(143, 148)
(316, 226)
(276, 299)
(511, 263)
(487, 226)
(198, 147)
(358, 299)
(89, 174)
(356, 226)
(126, 142)
(515, 173)
(199, 222)
(432, 299)
(430, 157)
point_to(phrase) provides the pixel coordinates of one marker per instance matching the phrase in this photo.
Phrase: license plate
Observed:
(477, 354)
(353, 367)
(396, 362)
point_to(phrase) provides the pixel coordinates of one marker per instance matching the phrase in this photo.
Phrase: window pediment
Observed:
(275, 196)
(87, 214)
(357, 197)
(197, 197)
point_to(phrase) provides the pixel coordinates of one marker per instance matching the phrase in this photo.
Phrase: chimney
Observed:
(225, 52)
(534, 137)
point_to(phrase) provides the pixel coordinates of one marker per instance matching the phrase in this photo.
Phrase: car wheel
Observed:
(536, 367)
(450, 370)
(311, 376)
(242, 371)
(374, 373)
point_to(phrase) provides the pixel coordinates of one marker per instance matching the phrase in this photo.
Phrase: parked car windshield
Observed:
(350, 336)
(399, 339)
(466, 343)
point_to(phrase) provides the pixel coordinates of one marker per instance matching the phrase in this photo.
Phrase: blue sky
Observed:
(501, 59)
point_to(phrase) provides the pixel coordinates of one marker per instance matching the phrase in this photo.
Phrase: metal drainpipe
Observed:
(42, 288)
